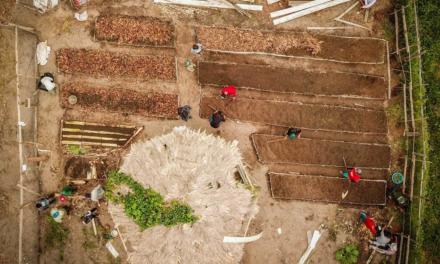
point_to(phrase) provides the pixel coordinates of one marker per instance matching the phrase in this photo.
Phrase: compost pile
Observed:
(197, 169)
(145, 31)
(102, 63)
(121, 100)
(233, 39)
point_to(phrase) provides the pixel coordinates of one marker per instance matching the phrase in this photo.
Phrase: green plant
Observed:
(146, 206)
(76, 150)
(56, 236)
(348, 254)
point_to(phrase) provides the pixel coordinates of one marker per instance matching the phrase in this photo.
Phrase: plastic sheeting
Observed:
(228, 239)
(43, 52)
(44, 5)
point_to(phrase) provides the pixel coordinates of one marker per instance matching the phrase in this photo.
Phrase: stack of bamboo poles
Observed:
(294, 12)
(94, 134)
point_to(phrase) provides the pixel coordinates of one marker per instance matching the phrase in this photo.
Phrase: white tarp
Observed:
(312, 244)
(228, 239)
(43, 52)
(44, 5)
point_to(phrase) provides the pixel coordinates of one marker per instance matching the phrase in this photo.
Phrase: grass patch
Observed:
(56, 236)
(144, 205)
(426, 248)
(348, 254)
(76, 150)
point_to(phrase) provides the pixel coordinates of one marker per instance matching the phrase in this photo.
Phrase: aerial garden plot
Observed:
(175, 134)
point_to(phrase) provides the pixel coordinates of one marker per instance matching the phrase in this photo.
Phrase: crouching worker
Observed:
(229, 92)
(352, 174)
(293, 133)
(216, 118)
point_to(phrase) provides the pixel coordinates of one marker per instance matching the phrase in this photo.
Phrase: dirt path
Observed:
(326, 189)
(322, 152)
(298, 114)
(299, 81)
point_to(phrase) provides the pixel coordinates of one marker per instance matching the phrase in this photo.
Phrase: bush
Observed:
(348, 254)
(146, 206)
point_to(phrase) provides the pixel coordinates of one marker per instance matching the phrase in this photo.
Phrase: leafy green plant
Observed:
(76, 150)
(146, 206)
(56, 236)
(348, 254)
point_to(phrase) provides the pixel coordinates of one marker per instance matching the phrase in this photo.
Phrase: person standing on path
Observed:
(216, 118)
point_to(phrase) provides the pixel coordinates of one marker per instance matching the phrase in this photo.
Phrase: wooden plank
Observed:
(297, 8)
(309, 11)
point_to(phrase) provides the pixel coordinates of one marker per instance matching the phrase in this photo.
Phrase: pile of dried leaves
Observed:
(234, 39)
(146, 31)
(121, 100)
(103, 63)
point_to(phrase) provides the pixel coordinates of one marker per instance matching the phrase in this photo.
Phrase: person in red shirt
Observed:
(353, 174)
(368, 222)
(228, 92)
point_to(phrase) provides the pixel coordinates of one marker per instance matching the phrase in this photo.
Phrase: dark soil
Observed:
(111, 64)
(314, 151)
(285, 80)
(142, 31)
(120, 100)
(326, 189)
(76, 168)
(330, 171)
(298, 115)
(293, 44)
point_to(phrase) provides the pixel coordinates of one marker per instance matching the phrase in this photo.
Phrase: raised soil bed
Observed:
(293, 44)
(310, 116)
(297, 81)
(120, 100)
(271, 149)
(111, 64)
(327, 189)
(138, 31)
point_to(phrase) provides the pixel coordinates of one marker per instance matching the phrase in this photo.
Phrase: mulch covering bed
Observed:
(292, 44)
(312, 116)
(300, 81)
(314, 151)
(111, 64)
(121, 100)
(141, 31)
(326, 189)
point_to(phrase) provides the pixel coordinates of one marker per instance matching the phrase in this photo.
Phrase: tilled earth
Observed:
(120, 100)
(293, 44)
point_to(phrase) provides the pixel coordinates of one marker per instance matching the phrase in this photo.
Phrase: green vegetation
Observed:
(426, 248)
(429, 12)
(76, 150)
(146, 206)
(56, 236)
(348, 254)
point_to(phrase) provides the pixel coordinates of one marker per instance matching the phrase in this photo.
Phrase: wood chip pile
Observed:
(102, 63)
(121, 100)
(233, 39)
(142, 31)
